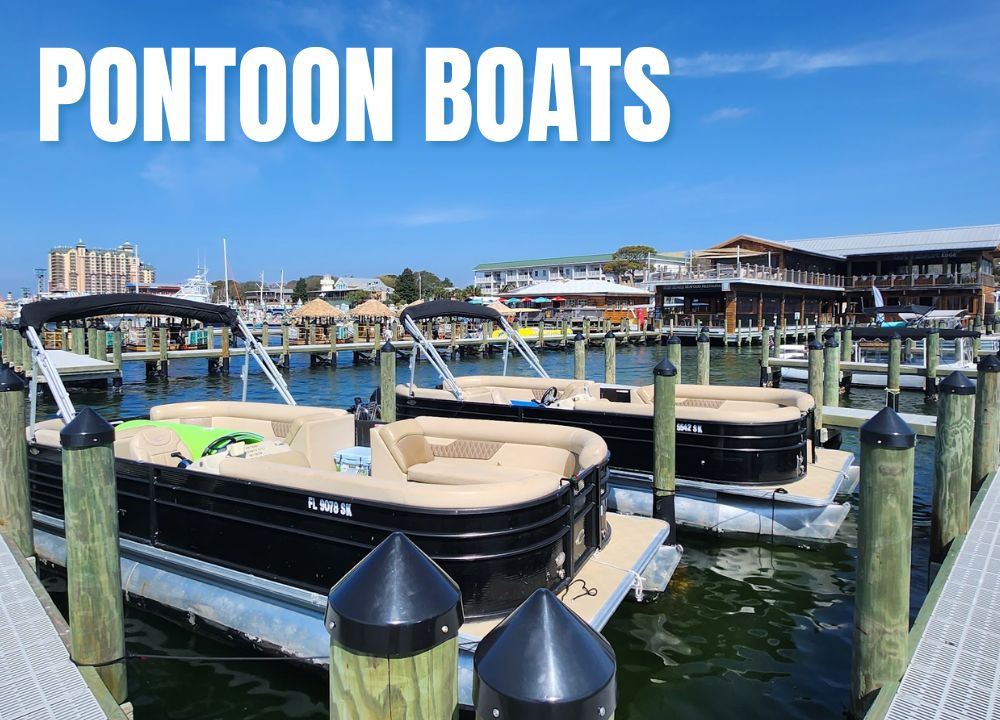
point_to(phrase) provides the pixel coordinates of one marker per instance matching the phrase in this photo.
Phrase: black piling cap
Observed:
(544, 663)
(665, 368)
(703, 336)
(988, 363)
(957, 384)
(673, 339)
(578, 337)
(87, 429)
(610, 335)
(396, 602)
(831, 342)
(815, 344)
(888, 429)
(388, 347)
(10, 381)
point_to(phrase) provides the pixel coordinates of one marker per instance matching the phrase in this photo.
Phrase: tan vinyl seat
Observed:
(151, 444)
(458, 471)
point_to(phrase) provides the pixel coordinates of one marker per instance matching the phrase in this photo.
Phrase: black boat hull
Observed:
(498, 556)
(716, 452)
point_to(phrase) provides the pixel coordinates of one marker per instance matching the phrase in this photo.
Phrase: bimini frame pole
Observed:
(264, 360)
(43, 364)
(523, 348)
(431, 353)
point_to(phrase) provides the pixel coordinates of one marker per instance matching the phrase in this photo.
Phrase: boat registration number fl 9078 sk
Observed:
(331, 507)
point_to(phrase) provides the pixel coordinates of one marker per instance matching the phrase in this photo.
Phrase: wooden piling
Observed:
(285, 355)
(932, 347)
(224, 350)
(846, 344)
(674, 353)
(986, 438)
(15, 506)
(543, 661)
(609, 358)
(908, 349)
(885, 524)
(164, 339)
(387, 374)
(96, 615)
(665, 379)
(116, 348)
(765, 357)
(952, 462)
(579, 357)
(831, 373)
(704, 358)
(893, 372)
(79, 340)
(393, 622)
(586, 331)
(816, 380)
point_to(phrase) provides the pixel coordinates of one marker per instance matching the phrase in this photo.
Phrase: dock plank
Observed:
(954, 671)
(842, 417)
(37, 678)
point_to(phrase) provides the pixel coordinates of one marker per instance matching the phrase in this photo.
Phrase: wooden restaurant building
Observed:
(750, 281)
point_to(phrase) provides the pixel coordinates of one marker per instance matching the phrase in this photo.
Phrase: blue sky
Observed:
(789, 119)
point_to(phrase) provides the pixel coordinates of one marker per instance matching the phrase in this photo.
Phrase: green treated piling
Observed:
(765, 357)
(816, 380)
(393, 622)
(931, 356)
(885, 525)
(831, 373)
(674, 353)
(609, 357)
(147, 336)
(93, 574)
(952, 462)
(846, 344)
(986, 439)
(15, 350)
(704, 358)
(892, 376)
(79, 340)
(15, 506)
(387, 369)
(579, 357)
(665, 446)
(116, 348)
(164, 340)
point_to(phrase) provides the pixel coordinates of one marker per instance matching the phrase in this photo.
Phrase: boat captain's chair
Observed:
(151, 444)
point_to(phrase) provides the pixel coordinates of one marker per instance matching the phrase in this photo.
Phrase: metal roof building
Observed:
(944, 239)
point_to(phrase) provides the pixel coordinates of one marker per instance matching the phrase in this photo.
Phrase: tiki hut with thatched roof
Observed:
(317, 309)
(372, 309)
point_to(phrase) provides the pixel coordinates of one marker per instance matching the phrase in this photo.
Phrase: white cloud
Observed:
(967, 44)
(727, 113)
(440, 216)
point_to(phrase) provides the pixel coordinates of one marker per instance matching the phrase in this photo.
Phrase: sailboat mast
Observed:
(225, 269)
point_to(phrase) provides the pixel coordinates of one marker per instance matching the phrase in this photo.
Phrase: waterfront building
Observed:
(79, 269)
(339, 289)
(595, 299)
(496, 278)
(751, 280)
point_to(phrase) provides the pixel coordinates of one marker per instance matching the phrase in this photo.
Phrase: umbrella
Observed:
(512, 301)
(372, 309)
(540, 300)
(318, 309)
(558, 298)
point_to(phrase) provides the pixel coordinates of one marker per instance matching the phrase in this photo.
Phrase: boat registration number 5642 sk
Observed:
(688, 427)
(331, 507)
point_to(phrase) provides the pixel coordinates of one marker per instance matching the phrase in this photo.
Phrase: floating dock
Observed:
(954, 670)
(39, 681)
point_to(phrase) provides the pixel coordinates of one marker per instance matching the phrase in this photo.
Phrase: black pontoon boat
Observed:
(281, 492)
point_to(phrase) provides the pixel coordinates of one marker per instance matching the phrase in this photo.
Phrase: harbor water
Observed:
(749, 628)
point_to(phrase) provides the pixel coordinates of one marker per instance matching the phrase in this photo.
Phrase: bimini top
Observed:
(449, 308)
(917, 333)
(897, 309)
(36, 314)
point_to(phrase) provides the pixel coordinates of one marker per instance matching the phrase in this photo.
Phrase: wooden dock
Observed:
(842, 417)
(38, 680)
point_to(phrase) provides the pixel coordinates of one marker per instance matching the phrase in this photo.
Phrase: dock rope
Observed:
(638, 584)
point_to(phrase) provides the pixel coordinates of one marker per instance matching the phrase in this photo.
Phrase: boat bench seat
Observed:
(457, 471)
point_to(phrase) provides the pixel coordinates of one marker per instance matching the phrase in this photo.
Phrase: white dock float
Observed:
(842, 417)
(37, 678)
(954, 671)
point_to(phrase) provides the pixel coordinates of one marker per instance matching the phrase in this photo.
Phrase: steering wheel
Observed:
(219, 444)
(549, 396)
